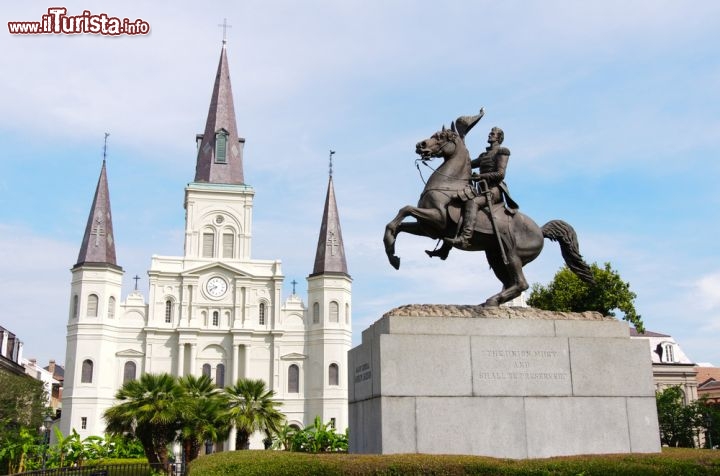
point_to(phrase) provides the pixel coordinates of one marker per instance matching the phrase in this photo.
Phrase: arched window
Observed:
(208, 244)
(221, 137)
(168, 310)
(228, 245)
(293, 379)
(92, 305)
(111, 308)
(76, 307)
(216, 319)
(316, 313)
(261, 314)
(333, 374)
(129, 371)
(334, 311)
(347, 313)
(206, 370)
(220, 376)
(86, 375)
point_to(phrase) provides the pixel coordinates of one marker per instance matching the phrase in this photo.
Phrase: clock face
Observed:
(216, 286)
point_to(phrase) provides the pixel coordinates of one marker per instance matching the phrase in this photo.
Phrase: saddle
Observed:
(502, 217)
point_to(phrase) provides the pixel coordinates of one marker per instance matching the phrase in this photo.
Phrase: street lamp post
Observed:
(708, 426)
(45, 433)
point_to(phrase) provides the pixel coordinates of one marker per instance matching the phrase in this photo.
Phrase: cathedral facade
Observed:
(214, 310)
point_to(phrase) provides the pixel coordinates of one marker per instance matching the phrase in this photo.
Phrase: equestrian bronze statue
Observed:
(475, 213)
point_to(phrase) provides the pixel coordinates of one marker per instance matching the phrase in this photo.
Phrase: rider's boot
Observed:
(469, 217)
(441, 252)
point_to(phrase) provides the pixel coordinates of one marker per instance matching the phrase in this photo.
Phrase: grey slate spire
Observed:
(330, 254)
(98, 245)
(219, 158)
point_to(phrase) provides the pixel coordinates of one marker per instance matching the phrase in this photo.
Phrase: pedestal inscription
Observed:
(520, 366)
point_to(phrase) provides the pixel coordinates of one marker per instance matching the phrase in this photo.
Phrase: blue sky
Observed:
(611, 110)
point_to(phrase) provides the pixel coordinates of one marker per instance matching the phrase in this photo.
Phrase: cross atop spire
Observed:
(107, 134)
(332, 152)
(225, 26)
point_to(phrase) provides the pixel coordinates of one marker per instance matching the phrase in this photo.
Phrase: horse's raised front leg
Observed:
(429, 216)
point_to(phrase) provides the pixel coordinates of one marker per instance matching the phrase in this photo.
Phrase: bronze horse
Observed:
(438, 212)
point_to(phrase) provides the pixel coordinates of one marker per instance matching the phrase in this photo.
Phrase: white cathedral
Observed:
(214, 310)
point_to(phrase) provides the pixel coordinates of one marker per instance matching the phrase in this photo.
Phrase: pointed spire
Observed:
(330, 255)
(98, 245)
(219, 157)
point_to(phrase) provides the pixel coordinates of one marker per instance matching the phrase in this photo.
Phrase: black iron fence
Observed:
(135, 469)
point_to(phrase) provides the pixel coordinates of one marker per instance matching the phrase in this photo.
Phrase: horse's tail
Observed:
(564, 234)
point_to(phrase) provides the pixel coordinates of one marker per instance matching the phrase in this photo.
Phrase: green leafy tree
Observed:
(22, 408)
(679, 422)
(251, 409)
(150, 409)
(567, 293)
(204, 414)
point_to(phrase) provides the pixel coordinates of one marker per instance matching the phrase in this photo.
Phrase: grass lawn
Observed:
(672, 461)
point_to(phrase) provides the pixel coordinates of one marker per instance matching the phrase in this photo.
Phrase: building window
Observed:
(92, 305)
(293, 379)
(221, 146)
(168, 310)
(83, 423)
(334, 311)
(87, 372)
(129, 372)
(220, 376)
(332, 423)
(228, 243)
(207, 371)
(208, 245)
(216, 319)
(76, 307)
(333, 374)
(261, 314)
(111, 308)
(347, 313)
(316, 313)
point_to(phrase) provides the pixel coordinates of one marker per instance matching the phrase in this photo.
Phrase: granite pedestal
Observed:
(519, 384)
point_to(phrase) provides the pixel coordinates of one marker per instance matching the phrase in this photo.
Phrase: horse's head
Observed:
(441, 144)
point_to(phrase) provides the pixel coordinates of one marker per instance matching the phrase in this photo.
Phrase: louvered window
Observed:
(92, 306)
(228, 243)
(216, 319)
(76, 307)
(334, 311)
(221, 147)
(111, 308)
(347, 313)
(316, 313)
(261, 314)
(208, 245)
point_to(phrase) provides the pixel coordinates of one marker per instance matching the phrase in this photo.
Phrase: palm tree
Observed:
(251, 409)
(204, 414)
(149, 408)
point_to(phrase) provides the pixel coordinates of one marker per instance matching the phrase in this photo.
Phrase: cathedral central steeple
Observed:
(220, 150)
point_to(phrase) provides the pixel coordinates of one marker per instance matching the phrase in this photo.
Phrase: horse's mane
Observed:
(447, 135)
